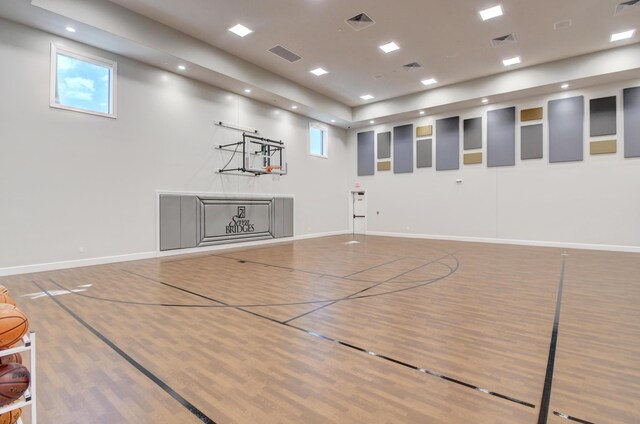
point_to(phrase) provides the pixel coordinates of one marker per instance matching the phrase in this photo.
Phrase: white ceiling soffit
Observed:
(116, 29)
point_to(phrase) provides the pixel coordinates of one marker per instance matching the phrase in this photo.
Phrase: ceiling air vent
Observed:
(287, 55)
(360, 22)
(626, 6)
(562, 24)
(412, 66)
(503, 40)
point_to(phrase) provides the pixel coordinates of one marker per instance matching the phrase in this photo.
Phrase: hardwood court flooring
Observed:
(319, 331)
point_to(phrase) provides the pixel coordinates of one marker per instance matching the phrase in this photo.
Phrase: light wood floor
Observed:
(388, 330)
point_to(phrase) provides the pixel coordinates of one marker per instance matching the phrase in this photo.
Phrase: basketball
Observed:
(14, 380)
(13, 325)
(11, 417)
(5, 298)
(16, 358)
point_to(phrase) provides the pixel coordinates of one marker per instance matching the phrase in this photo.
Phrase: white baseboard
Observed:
(52, 266)
(566, 245)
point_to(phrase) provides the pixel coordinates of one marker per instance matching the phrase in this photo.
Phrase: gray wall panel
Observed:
(170, 222)
(566, 135)
(501, 137)
(288, 217)
(366, 154)
(403, 149)
(424, 153)
(472, 133)
(602, 116)
(384, 145)
(188, 221)
(278, 217)
(631, 102)
(531, 142)
(448, 143)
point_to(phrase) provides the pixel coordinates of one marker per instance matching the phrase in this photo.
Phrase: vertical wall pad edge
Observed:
(501, 137)
(448, 143)
(384, 145)
(566, 129)
(602, 116)
(631, 100)
(472, 133)
(403, 149)
(188, 221)
(170, 208)
(366, 154)
(424, 153)
(531, 142)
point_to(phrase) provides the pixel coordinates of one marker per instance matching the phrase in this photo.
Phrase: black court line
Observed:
(548, 379)
(570, 418)
(164, 386)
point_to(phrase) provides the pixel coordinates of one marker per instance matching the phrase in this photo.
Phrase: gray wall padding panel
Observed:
(531, 142)
(403, 149)
(631, 100)
(384, 145)
(188, 221)
(602, 113)
(424, 153)
(501, 137)
(366, 154)
(170, 222)
(283, 217)
(566, 135)
(448, 143)
(472, 133)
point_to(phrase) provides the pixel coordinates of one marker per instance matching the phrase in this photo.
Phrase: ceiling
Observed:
(447, 38)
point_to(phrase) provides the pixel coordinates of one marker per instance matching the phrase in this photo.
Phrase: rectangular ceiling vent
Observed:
(626, 6)
(562, 24)
(287, 55)
(360, 22)
(503, 40)
(412, 66)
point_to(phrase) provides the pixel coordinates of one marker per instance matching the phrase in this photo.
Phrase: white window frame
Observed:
(325, 139)
(85, 57)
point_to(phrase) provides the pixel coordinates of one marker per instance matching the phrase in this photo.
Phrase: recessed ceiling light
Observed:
(372, 122)
(277, 112)
(182, 67)
(622, 35)
(564, 86)
(511, 61)
(490, 13)
(247, 90)
(429, 81)
(485, 100)
(319, 72)
(333, 120)
(422, 112)
(367, 97)
(70, 29)
(240, 30)
(294, 107)
(389, 47)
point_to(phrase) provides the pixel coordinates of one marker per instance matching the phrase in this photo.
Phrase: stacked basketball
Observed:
(14, 377)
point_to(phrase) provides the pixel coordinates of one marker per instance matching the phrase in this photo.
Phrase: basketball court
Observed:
(324, 330)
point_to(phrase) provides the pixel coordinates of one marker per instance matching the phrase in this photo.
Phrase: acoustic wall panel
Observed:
(424, 131)
(472, 133)
(424, 153)
(534, 114)
(170, 237)
(448, 143)
(366, 155)
(384, 145)
(501, 137)
(603, 147)
(188, 217)
(531, 142)
(403, 149)
(631, 100)
(566, 135)
(602, 114)
(384, 166)
(472, 158)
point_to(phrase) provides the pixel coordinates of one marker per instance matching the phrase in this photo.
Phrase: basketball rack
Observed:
(259, 156)
(29, 396)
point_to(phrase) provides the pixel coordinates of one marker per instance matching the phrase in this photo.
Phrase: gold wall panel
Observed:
(604, 146)
(425, 131)
(384, 166)
(472, 158)
(534, 114)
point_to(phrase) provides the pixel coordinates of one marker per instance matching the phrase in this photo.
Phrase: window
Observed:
(82, 83)
(317, 140)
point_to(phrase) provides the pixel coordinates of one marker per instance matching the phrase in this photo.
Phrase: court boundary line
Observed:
(571, 418)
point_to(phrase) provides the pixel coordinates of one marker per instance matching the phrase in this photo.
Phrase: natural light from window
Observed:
(317, 141)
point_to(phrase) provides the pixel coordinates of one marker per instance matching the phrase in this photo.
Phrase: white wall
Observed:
(593, 202)
(71, 181)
